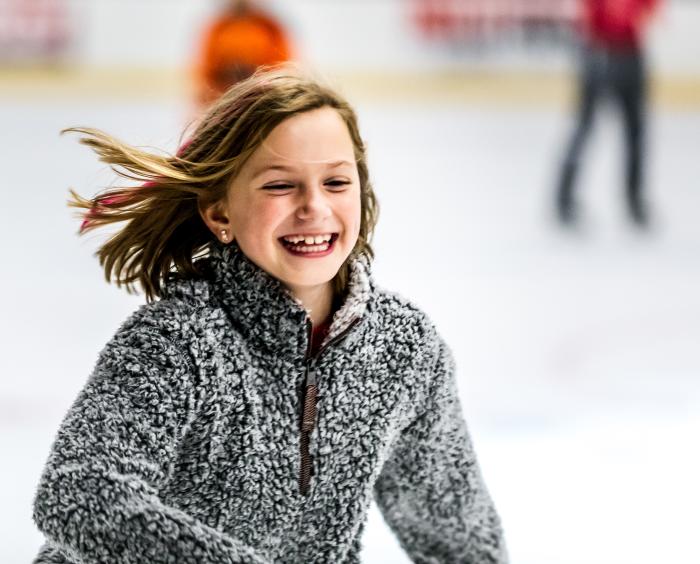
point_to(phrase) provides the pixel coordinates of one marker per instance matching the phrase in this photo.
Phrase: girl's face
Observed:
(294, 208)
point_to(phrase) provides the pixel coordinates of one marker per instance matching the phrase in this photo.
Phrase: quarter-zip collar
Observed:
(266, 312)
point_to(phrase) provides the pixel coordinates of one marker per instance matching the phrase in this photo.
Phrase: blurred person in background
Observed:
(612, 63)
(239, 40)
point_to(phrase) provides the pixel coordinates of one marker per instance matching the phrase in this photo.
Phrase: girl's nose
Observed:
(313, 204)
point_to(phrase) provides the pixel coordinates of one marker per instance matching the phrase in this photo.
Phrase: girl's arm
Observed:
(98, 500)
(430, 490)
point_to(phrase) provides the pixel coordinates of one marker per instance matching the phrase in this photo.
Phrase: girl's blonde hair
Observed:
(164, 232)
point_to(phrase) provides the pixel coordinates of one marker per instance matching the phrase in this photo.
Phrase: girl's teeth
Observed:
(313, 248)
(309, 239)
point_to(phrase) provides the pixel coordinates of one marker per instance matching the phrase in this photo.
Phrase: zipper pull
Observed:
(309, 417)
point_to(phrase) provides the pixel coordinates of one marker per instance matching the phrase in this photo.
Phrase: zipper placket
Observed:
(308, 418)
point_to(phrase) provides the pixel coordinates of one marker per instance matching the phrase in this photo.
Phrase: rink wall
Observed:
(144, 48)
(344, 35)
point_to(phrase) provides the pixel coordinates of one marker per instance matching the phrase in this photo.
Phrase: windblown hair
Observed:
(164, 233)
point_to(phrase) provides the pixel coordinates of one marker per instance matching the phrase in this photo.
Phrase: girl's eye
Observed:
(278, 187)
(337, 183)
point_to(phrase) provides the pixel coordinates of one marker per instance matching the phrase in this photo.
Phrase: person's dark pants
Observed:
(622, 76)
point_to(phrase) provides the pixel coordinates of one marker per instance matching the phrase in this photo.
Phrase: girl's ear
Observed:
(215, 216)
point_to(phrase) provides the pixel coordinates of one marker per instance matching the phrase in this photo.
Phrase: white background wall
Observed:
(338, 34)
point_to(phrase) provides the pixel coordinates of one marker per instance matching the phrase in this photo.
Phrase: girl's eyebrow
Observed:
(336, 164)
(265, 168)
(285, 168)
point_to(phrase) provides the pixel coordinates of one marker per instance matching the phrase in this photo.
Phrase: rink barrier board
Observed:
(490, 88)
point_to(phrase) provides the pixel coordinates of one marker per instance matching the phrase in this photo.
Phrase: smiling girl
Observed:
(269, 389)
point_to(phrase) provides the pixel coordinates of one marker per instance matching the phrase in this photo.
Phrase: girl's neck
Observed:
(316, 300)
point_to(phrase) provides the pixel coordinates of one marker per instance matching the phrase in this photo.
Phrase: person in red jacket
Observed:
(612, 64)
(236, 43)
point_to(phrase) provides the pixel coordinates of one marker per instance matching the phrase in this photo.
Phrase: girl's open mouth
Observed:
(309, 246)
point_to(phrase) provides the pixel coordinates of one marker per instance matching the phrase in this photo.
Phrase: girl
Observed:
(252, 411)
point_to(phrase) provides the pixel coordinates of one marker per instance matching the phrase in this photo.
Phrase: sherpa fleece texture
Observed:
(183, 446)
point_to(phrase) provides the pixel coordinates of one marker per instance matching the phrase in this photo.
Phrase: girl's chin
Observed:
(298, 278)
(308, 274)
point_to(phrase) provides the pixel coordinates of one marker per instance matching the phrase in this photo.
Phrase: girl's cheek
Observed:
(265, 209)
(354, 207)
(351, 213)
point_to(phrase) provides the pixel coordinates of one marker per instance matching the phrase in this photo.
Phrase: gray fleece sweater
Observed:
(184, 444)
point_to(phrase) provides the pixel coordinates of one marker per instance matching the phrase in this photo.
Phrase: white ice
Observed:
(578, 353)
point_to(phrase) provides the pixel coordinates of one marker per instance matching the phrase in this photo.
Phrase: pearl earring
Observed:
(224, 236)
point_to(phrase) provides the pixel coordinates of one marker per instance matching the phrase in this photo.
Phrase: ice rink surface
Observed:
(578, 353)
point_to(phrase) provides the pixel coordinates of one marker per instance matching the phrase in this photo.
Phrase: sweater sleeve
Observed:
(430, 490)
(97, 499)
